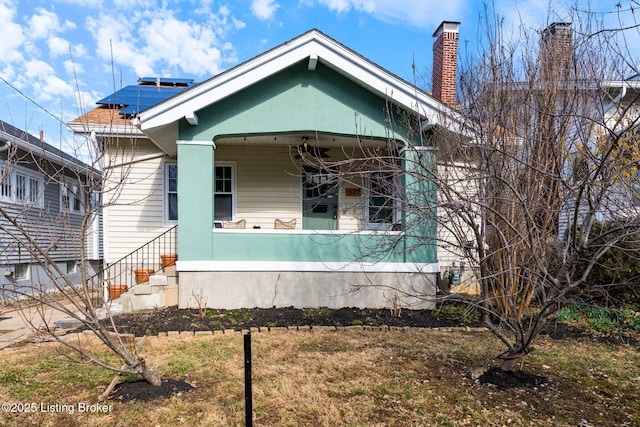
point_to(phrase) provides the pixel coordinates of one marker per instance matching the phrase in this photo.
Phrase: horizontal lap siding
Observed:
(58, 233)
(268, 184)
(136, 214)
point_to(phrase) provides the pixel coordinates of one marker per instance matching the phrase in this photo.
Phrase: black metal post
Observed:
(248, 399)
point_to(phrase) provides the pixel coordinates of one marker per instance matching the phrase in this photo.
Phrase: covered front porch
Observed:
(343, 245)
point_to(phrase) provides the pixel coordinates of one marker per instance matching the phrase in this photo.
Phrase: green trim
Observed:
(312, 247)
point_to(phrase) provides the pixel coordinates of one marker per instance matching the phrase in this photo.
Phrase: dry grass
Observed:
(352, 378)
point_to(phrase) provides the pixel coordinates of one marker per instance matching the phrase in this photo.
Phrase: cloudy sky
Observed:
(58, 57)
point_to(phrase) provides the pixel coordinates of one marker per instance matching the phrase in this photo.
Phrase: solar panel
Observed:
(136, 98)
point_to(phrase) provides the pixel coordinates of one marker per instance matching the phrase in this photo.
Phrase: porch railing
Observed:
(137, 266)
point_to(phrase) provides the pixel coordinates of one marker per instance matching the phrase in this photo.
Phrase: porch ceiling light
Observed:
(306, 148)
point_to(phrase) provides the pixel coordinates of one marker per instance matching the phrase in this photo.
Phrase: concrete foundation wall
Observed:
(265, 289)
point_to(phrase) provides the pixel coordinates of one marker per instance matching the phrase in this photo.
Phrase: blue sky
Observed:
(58, 57)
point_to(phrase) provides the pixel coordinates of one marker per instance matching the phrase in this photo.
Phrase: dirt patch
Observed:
(142, 391)
(504, 380)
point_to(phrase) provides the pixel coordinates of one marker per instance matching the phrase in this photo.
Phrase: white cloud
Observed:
(114, 39)
(11, 34)
(264, 9)
(41, 79)
(72, 67)
(45, 23)
(159, 42)
(58, 46)
(184, 46)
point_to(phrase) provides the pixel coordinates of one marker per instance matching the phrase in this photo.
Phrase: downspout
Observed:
(614, 102)
(4, 145)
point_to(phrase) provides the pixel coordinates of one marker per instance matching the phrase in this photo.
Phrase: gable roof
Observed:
(313, 46)
(35, 146)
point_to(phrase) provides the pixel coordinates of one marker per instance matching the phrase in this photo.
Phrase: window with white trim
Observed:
(72, 196)
(21, 271)
(21, 186)
(224, 192)
(381, 210)
(171, 192)
(5, 185)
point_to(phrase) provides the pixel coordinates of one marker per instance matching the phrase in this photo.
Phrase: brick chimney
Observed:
(556, 45)
(445, 61)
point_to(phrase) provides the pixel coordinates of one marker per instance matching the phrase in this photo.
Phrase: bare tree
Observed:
(549, 152)
(43, 234)
(552, 146)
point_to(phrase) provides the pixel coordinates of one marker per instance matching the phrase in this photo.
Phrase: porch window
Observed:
(171, 190)
(381, 212)
(223, 193)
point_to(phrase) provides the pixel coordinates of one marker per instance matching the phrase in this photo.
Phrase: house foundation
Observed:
(299, 289)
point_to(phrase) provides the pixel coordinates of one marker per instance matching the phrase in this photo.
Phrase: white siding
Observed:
(134, 214)
(269, 186)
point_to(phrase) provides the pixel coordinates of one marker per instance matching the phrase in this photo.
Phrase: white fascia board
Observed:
(106, 130)
(312, 44)
(219, 87)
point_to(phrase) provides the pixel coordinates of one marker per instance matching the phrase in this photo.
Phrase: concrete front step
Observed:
(144, 296)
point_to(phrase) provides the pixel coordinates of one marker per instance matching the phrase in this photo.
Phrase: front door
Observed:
(320, 200)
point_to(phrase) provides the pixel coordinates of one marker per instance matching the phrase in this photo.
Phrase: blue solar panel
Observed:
(136, 98)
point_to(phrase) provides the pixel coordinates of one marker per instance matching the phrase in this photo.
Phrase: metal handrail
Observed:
(146, 259)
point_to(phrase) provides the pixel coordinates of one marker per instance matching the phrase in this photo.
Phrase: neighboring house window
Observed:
(5, 185)
(224, 192)
(171, 189)
(71, 267)
(21, 186)
(381, 212)
(21, 271)
(72, 197)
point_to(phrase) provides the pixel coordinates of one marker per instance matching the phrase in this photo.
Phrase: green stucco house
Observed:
(248, 163)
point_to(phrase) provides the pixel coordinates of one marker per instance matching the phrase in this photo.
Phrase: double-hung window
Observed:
(72, 196)
(171, 192)
(381, 212)
(223, 191)
(5, 184)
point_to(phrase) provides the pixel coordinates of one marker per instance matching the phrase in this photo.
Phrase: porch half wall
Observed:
(266, 268)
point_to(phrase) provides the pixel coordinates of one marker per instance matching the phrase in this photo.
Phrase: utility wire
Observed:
(58, 119)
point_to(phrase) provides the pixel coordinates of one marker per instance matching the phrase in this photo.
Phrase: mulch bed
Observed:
(152, 322)
(142, 391)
